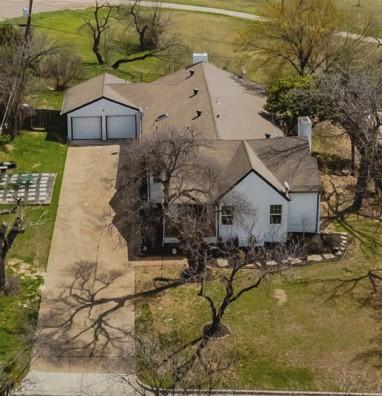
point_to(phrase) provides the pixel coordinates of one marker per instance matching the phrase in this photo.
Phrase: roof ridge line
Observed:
(210, 100)
(248, 148)
(250, 151)
(103, 83)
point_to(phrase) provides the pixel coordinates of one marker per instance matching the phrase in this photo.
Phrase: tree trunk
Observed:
(362, 183)
(3, 278)
(119, 62)
(352, 165)
(213, 327)
(96, 51)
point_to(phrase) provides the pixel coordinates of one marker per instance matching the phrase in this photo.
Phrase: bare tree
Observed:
(99, 25)
(61, 69)
(172, 162)
(18, 59)
(150, 25)
(153, 30)
(14, 370)
(8, 234)
(157, 367)
(353, 99)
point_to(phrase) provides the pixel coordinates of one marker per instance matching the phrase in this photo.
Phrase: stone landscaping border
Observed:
(337, 254)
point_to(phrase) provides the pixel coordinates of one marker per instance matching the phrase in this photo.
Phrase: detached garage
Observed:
(96, 111)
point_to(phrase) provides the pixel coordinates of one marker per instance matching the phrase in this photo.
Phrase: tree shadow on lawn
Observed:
(367, 233)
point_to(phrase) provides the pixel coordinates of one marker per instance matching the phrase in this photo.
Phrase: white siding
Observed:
(302, 215)
(261, 196)
(103, 108)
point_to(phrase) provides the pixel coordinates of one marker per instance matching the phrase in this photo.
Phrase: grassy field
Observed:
(355, 15)
(305, 341)
(218, 35)
(206, 35)
(33, 152)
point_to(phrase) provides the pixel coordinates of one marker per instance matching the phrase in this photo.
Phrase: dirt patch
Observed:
(280, 296)
(23, 269)
(222, 332)
(8, 148)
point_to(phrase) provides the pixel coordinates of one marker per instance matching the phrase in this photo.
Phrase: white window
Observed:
(276, 214)
(227, 215)
(157, 177)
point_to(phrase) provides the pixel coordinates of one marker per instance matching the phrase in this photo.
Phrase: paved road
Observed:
(84, 235)
(13, 8)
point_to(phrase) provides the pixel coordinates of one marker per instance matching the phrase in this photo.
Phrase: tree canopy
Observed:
(298, 33)
(290, 98)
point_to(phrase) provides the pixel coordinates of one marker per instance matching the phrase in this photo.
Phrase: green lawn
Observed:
(355, 15)
(307, 342)
(33, 152)
(196, 32)
(218, 35)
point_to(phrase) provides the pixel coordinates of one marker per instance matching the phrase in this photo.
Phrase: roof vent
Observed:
(199, 113)
(268, 135)
(218, 115)
(196, 91)
(200, 58)
(192, 72)
(161, 117)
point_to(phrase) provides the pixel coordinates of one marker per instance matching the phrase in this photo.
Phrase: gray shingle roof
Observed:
(93, 89)
(239, 104)
(289, 159)
(278, 160)
(231, 113)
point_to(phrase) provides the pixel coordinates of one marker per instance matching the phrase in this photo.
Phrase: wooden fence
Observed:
(49, 120)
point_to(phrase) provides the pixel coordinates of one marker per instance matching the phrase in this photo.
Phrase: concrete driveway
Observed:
(88, 261)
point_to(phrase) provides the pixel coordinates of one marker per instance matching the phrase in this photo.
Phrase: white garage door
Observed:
(121, 127)
(86, 128)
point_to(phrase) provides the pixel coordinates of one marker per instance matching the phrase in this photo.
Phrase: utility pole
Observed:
(20, 74)
(29, 22)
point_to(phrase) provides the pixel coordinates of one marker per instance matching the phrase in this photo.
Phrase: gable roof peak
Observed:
(251, 162)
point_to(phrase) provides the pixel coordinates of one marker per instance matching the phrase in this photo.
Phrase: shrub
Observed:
(290, 98)
(61, 69)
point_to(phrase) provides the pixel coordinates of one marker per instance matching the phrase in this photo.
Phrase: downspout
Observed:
(318, 214)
